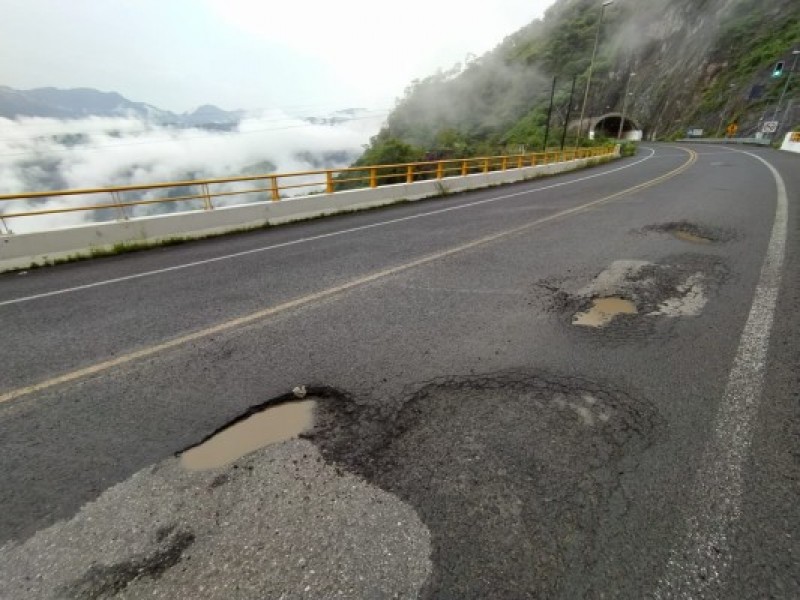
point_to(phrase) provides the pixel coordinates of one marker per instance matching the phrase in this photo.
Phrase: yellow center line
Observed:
(323, 294)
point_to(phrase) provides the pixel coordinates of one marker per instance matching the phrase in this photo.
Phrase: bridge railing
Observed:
(125, 202)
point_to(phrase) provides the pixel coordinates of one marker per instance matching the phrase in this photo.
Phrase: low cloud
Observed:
(39, 154)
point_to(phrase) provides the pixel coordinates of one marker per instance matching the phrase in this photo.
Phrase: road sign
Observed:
(732, 129)
(769, 127)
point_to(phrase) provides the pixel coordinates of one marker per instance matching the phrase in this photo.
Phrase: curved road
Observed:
(471, 440)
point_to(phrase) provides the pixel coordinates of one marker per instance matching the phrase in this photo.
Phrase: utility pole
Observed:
(624, 105)
(569, 112)
(549, 113)
(591, 68)
(796, 54)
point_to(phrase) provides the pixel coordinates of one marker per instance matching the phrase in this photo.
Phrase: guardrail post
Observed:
(329, 185)
(533, 160)
(464, 168)
(519, 161)
(505, 163)
(274, 189)
(486, 165)
(410, 174)
(5, 225)
(207, 197)
(439, 170)
(373, 177)
(118, 204)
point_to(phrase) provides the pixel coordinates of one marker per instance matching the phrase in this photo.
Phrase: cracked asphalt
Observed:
(470, 441)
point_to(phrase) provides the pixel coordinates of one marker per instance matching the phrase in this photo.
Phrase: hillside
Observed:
(698, 63)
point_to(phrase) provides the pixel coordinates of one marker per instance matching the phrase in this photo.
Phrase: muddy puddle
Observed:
(688, 236)
(270, 426)
(603, 311)
(693, 233)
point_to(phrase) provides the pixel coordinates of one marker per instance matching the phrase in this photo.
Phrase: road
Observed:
(470, 439)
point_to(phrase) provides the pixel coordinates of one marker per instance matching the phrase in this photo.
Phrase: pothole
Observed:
(634, 300)
(693, 233)
(535, 458)
(688, 236)
(603, 311)
(263, 428)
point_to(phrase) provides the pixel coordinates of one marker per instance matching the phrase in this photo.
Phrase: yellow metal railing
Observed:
(208, 194)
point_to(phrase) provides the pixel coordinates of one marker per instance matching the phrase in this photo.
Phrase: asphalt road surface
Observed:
(482, 428)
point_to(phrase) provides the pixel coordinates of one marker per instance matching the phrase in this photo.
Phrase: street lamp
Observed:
(796, 54)
(591, 67)
(624, 105)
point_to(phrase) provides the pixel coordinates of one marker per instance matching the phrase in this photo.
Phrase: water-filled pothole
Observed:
(688, 236)
(603, 311)
(276, 424)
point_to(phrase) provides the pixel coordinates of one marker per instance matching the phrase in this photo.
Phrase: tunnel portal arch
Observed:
(608, 126)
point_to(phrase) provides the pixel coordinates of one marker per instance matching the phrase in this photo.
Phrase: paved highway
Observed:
(471, 440)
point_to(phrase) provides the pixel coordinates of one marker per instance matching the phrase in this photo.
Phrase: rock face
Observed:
(697, 63)
(701, 64)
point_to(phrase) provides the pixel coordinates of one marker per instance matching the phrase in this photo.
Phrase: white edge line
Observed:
(697, 566)
(313, 238)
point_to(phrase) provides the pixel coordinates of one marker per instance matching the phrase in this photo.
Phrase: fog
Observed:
(38, 154)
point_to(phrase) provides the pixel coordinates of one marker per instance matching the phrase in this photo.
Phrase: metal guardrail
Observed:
(740, 141)
(208, 194)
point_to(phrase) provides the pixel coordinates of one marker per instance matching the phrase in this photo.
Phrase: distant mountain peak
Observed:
(79, 103)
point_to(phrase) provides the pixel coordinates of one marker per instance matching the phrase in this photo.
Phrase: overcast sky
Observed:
(311, 55)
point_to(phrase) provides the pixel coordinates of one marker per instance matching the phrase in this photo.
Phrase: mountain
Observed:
(85, 102)
(697, 63)
(208, 114)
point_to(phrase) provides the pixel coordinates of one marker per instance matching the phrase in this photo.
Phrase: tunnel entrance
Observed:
(607, 126)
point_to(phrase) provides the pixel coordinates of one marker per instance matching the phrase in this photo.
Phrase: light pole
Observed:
(591, 68)
(624, 105)
(796, 54)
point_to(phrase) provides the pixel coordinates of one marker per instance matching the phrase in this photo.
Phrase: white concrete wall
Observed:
(789, 145)
(22, 250)
(634, 135)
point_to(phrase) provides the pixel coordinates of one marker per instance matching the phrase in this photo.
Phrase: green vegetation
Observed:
(628, 148)
(697, 64)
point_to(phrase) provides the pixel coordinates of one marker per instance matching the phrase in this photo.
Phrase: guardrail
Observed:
(123, 202)
(740, 141)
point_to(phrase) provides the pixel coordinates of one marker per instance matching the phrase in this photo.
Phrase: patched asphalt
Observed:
(279, 523)
(520, 466)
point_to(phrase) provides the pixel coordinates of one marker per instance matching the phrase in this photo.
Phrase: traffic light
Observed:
(778, 70)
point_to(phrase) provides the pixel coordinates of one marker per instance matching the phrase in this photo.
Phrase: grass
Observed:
(629, 148)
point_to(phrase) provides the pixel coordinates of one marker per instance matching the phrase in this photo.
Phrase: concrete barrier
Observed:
(19, 251)
(791, 143)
